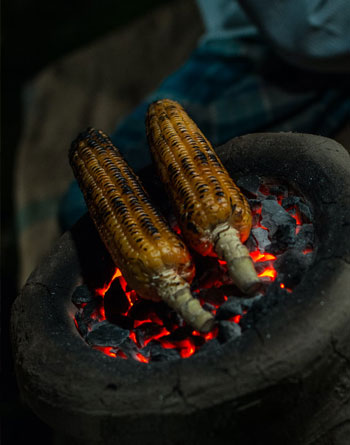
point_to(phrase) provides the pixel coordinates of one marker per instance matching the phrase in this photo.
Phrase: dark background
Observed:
(35, 34)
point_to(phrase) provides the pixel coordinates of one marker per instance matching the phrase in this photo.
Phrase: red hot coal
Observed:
(116, 321)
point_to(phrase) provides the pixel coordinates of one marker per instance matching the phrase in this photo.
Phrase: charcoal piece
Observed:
(160, 354)
(271, 197)
(290, 201)
(107, 334)
(283, 239)
(262, 265)
(249, 184)
(248, 303)
(90, 309)
(123, 321)
(278, 190)
(292, 264)
(115, 299)
(215, 295)
(255, 204)
(82, 295)
(147, 330)
(129, 348)
(142, 309)
(209, 307)
(251, 243)
(180, 333)
(210, 347)
(82, 324)
(262, 239)
(229, 309)
(305, 212)
(228, 331)
(275, 218)
(262, 307)
(305, 237)
(198, 340)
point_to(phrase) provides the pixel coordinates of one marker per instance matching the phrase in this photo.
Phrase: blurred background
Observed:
(66, 66)
(70, 65)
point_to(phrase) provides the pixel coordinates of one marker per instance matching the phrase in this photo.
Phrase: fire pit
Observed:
(285, 378)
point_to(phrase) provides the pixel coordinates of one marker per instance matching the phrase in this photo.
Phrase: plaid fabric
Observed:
(234, 84)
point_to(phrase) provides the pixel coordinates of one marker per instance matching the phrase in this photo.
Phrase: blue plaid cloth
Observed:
(233, 84)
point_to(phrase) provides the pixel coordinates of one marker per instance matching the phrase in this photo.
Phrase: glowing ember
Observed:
(161, 328)
(259, 257)
(268, 272)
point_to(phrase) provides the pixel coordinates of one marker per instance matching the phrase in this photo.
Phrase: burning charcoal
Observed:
(228, 331)
(198, 340)
(249, 184)
(90, 309)
(228, 309)
(142, 309)
(275, 218)
(271, 197)
(292, 265)
(181, 333)
(115, 299)
(148, 330)
(82, 295)
(305, 212)
(160, 354)
(107, 334)
(262, 238)
(305, 237)
(290, 201)
(129, 348)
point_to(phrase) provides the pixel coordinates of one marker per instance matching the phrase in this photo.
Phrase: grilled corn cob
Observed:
(213, 215)
(152, 258)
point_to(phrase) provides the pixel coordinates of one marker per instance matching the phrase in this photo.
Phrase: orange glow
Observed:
(212, 334)
(177, 229)
(307, 250)
(297, 216)
(105, 288)
(259, 257)
(269, 272)
(263, 227)
(141, 358)
(106, 350)
(121, 354)
(138, 323)
(213, 277)
(187, 348)
(102, 313)
(235, 318)
(132, 335)
(160, 334)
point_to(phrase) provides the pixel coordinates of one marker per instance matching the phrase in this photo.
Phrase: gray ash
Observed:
(114, 320)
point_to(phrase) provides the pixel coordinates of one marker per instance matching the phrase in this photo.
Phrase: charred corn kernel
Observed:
(213, 215)
(152, 258)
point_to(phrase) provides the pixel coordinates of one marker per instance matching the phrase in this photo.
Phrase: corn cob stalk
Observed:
(213, 215)
(152, 258)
